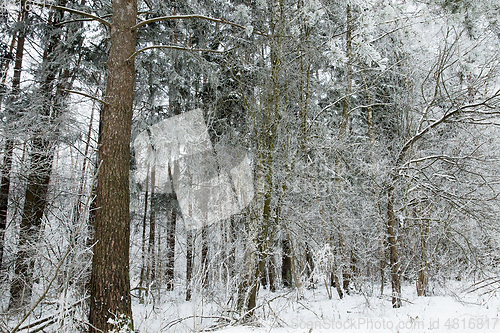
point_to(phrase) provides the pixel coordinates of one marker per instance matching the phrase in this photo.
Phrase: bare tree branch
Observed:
(84, 94)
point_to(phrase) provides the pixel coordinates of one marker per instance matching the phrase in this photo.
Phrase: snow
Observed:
(310, 310)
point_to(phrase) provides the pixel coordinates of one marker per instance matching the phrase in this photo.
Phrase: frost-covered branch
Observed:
(71, 10)
(174, 47)
(441, 120)
(203, 17)
(85, 95)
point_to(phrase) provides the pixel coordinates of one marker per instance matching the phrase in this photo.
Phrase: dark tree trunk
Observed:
(9, 142)
(422, 276)
(4, 193)
(394, 258)
(143, 241)
(171, 226)
(286, 264)
(189, 263)
(347, 273)
(110, 282)
(151, 270)
(309, 262)
(41, 157)
(204, 255)
(230, 241)
(335, 281)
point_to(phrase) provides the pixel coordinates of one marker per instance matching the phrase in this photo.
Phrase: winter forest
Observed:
(249, 165)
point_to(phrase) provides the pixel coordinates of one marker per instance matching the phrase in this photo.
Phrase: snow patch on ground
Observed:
(309, 311)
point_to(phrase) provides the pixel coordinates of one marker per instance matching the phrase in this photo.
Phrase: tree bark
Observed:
(204, 256)
(393, 249)
(171, 228)
(110, 282)
(422, 278)
(151, 268)
(286, 265)
(189, 263)
(9, 142)
(143, 240)
(41, 158)
(309, 263)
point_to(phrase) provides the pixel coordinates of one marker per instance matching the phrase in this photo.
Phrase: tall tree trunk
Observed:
(41, 158)
(4, 192)
(266, 137)
(151, 268)
(376, 189)
(230, 234)
(394, 258)
(142, 275)
(9, 142)
(110, 282)
(171, 227)
(345, 264)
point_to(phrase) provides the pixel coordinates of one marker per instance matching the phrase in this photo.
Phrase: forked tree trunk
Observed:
(110, 282)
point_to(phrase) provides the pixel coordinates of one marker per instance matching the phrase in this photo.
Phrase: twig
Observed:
(179, 320)
(50, 318)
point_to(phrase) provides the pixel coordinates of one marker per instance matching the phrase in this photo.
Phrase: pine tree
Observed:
(110, 282)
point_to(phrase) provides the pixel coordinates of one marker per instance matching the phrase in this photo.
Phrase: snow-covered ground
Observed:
(453, 309)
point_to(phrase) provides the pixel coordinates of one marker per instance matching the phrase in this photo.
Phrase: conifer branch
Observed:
(70, 10)
(194, 16)
(174, 47)
(85, 95)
